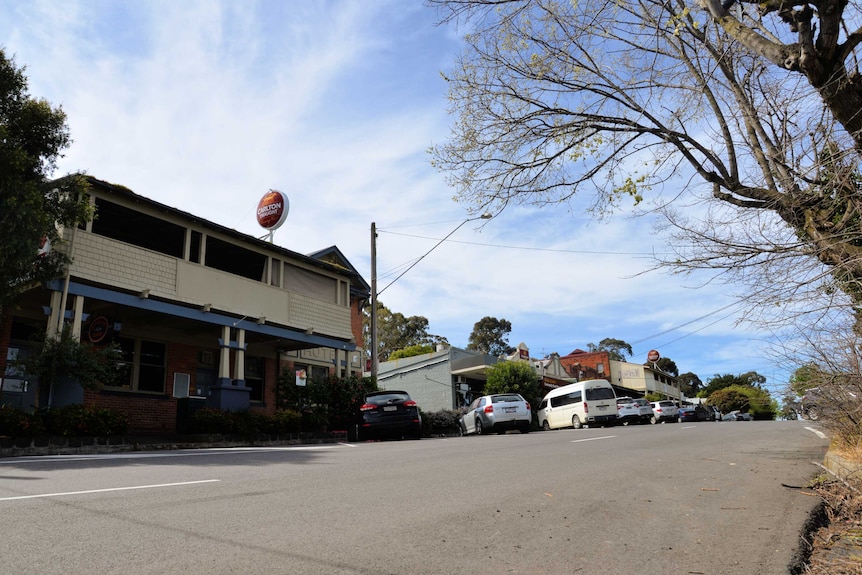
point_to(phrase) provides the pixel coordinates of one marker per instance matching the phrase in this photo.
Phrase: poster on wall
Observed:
(301, 377)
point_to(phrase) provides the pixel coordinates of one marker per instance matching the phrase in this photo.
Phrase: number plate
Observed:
(390, 408)
(510, 409)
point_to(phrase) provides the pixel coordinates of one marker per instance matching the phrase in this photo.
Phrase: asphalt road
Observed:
(703, 498)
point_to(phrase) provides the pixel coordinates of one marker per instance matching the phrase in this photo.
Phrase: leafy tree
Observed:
(745, 398)
(668, 365)
(411, 351)
(490, 335)
(748, 379)
(617, 349)
(396, 331)
(689, 383)
(756, 103)
(32, 137)
(514, 377)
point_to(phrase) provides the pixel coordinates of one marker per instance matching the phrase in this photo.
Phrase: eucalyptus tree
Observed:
(739, 122)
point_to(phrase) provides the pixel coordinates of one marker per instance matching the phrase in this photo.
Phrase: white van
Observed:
(589, 402)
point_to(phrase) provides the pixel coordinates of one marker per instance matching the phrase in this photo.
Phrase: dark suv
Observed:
(388, 414)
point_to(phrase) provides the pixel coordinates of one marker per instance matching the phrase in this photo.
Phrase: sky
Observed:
(206, 105)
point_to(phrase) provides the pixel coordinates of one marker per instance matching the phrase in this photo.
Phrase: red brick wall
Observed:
(587, 362)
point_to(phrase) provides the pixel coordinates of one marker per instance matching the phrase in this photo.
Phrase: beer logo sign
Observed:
(272, 210)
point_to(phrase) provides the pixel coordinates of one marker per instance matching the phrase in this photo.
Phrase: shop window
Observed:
(142, 367)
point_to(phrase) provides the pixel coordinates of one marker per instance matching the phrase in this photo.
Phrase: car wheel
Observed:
(813, 413)
(546, 426)
(626, 422)
(653, 420)
(462, 431)
(576, 422)
(479, 429)
(679, 419)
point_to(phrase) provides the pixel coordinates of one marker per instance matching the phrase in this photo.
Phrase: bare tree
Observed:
(758, 106)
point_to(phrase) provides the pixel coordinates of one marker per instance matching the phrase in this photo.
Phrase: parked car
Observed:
(737, 415)
(645, 408)
(693, 413)
(499, 412)
(628, 411)
(588, 402)
(664, 410)
(829, 402)
(388, 414)
(714, 413)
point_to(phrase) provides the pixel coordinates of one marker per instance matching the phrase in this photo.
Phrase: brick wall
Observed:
(588, 363)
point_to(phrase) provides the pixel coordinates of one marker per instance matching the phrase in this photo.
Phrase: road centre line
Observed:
(108, 490)
(593, 438)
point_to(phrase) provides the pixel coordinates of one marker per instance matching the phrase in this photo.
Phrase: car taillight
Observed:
(528, 405)
(367, 407)
(586, 407)
(489, 409)
(410, 403)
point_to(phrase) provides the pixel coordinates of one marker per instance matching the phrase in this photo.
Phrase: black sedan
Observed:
(693, 413)
(388, 414)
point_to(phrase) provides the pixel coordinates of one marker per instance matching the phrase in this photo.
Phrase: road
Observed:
(699, 498)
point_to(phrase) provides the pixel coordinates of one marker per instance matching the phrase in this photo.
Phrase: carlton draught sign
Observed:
(272, 210)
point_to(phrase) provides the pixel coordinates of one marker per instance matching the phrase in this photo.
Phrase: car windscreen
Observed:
(387, 398)
(594, 393)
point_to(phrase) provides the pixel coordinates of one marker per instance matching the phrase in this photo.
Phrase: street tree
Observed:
(396, 331)
(689, 383)
(617, 349)
(668, 365)
(753, 105)
(33, 208)
(490, 335)
(717, 382)
(514, 377)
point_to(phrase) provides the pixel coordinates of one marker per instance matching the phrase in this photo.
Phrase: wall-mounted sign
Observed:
(272, 209)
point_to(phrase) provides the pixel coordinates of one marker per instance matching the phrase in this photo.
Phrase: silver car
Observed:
(499, 412)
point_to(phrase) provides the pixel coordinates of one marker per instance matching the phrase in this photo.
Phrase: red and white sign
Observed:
(272, 209)
(653, 356)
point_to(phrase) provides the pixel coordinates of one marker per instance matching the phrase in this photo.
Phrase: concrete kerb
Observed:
(119, 444)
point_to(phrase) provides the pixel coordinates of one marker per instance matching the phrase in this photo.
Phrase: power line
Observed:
(503, 246)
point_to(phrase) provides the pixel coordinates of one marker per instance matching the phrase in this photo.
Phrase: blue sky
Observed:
(206, 105)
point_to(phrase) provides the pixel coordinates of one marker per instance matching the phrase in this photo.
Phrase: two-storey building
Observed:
(199, 310)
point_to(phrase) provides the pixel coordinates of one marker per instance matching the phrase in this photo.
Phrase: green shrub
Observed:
(444, 422)
(82, 420)
(17, 423)
(245, 423)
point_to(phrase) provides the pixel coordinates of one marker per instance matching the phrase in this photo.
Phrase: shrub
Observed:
(17, 423)
(444, 422)
(245, 423)
(81, 420)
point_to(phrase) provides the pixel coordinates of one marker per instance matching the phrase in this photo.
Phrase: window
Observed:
(142, 367)
(254, 377)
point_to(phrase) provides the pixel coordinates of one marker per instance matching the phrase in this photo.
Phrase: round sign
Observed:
(653, 356)
(272, 209)
(98, 329)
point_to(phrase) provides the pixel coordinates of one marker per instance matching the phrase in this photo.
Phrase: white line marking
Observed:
(107, 490)
(593, 438)
(817, 432)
